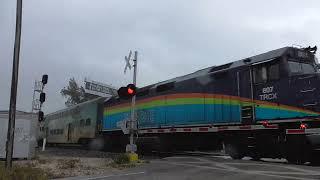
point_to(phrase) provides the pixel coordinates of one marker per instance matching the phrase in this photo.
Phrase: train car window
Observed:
(274, 72)
(260, 74)
(165, 87)
(88, 122)
(82, 122)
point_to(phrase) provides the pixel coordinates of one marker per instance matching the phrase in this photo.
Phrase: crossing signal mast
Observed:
(130, 92)
(37, 103)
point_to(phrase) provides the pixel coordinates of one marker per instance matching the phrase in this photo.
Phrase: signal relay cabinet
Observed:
(25, 134)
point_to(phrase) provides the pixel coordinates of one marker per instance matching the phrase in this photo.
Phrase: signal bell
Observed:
(127, 92)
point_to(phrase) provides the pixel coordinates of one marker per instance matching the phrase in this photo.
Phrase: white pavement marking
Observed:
(286, 166)
(115, 175)
(238, 170)
(222, 157)
(188, 157)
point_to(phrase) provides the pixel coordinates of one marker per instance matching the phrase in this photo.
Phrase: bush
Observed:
(121, 159)
(22, 173)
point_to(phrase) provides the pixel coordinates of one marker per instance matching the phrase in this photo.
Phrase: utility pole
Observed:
(14, 85)
(133, 121)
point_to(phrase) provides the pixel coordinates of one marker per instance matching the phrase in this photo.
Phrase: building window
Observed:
(82, 122)
(88, 122)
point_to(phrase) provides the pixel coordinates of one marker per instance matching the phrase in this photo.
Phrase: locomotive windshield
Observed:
(301, 67)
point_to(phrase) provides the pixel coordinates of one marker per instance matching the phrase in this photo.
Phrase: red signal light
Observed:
(130, 91)
(127, 92)
(303, 126)
(265, 123)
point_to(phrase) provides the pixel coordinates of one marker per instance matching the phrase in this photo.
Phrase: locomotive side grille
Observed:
(246, 114)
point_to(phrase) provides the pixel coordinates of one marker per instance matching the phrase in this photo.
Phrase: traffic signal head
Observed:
(45, 79)
(40, 116)
(42, 97)
(127, 92)
(131, 89)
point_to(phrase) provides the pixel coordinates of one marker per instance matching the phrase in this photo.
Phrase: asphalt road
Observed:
(211, 167)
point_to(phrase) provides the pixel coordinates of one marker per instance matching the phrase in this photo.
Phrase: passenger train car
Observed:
(74, 125)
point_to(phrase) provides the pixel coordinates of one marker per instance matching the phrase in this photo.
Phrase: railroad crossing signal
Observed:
(44, 79)
(127, 59)
(127, 92)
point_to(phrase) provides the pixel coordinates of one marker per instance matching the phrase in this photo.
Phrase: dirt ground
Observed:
(60, 162)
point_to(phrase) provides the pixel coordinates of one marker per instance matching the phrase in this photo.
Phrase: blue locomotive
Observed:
(256, 106)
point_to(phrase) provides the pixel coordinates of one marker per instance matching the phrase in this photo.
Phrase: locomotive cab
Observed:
(304, 80)
(292, 79)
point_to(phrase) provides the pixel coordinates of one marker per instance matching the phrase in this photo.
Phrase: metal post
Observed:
(34, 93)
(14, 85)
(44, 144)
(133, 117)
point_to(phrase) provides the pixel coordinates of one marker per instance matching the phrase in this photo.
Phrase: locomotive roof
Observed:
(247, 61)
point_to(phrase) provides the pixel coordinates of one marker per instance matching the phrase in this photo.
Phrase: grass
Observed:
(68, 164)
(42, 161)
(22, 173)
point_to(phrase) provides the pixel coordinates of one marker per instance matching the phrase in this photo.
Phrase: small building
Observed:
(26, 126)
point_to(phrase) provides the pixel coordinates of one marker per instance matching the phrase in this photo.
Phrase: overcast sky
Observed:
(89, 38)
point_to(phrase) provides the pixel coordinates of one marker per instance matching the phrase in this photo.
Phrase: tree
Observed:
(75, 93)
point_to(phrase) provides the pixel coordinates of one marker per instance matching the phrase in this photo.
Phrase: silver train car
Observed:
(75, 125)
